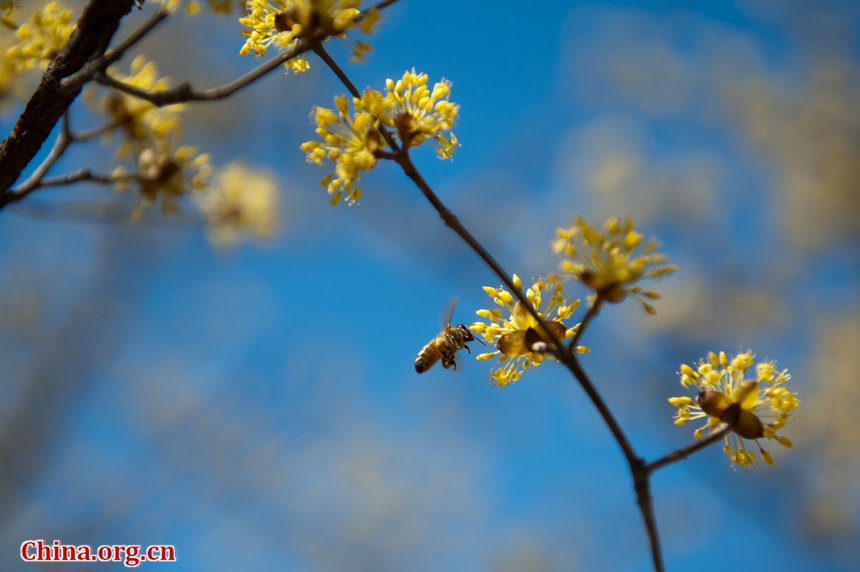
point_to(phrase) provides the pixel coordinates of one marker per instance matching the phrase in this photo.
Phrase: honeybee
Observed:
(445, 345)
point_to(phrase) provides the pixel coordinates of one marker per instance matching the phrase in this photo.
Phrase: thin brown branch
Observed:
(645, 502)
(95, 67)
(186, 92)
(685, 452)
(636, 464)
(85, 176)
(34, 181)
(89, 134)
(95, 28)
(65, 139)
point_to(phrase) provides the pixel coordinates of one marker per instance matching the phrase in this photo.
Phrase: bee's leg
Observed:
(467, 348)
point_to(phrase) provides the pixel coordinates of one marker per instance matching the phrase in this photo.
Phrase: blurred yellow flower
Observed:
(753, 408)
(41, 38)
(167, 173)
(611, 261)
(520, 342)
(240, 201)
(141, 122)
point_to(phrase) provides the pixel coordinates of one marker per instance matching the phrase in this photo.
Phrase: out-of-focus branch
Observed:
(64, 140)
(186, 92)
(95, 28)
(94, 67)
(85, 175)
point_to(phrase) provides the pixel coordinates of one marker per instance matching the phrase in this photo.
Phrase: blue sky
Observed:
(259, 408)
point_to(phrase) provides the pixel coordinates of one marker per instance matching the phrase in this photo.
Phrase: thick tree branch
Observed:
(95, 29)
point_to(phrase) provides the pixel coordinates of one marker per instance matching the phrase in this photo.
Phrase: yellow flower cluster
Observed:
(418, 114)
(611, 261)
(282, 23)
(753, 408)
(521, 343)
(350, 141)
(166, 172)
(41, 38)
(241, 200)
(353, 141)
(141, 122)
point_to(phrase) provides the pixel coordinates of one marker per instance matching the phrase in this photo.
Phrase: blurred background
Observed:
(258, 407)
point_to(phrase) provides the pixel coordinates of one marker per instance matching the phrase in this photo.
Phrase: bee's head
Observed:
(467, 333)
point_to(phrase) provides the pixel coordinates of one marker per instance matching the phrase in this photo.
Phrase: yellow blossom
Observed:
(240, 200)
(419, 114)
(168, 173)
(354, 141)
(611, 261)
(519, 340)
(754, 408)
(282, 23)
(349, 140)
(41, 38)
(141, 122)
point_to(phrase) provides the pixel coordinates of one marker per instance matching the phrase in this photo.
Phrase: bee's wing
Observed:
(556, 328)
(446, 321)
(513, 343)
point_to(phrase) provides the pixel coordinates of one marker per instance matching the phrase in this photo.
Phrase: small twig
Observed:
(85, 175)
(33, 182)
(65, 138)
(685, 452)
(593, 310)
(185, 92)
(83, 136)
(95, 67)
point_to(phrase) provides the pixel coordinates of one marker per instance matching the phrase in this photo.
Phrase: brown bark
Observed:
(95, 29)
